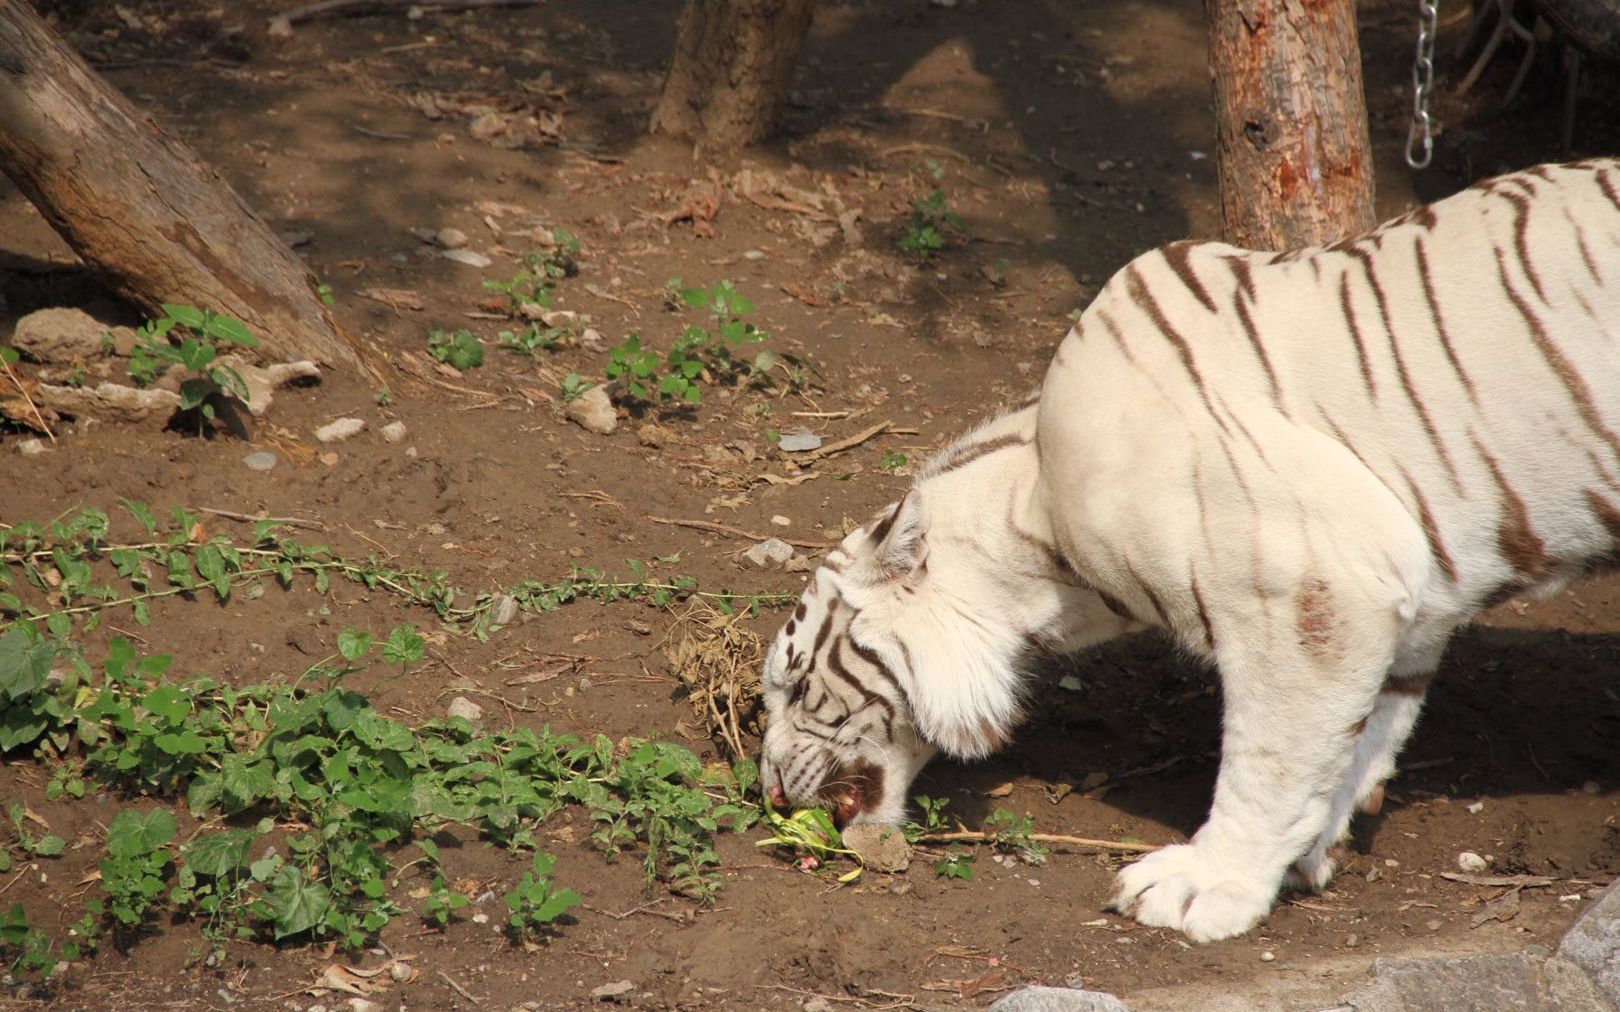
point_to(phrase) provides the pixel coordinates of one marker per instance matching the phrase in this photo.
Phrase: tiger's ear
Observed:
(899, 545)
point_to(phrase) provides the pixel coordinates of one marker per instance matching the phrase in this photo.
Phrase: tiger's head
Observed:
(893, 653)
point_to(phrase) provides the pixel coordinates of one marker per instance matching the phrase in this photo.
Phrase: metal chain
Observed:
(1420, 135)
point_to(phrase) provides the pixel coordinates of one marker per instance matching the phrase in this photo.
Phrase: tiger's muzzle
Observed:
(852, 788)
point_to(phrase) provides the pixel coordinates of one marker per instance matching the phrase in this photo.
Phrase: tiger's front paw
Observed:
(1182, 887)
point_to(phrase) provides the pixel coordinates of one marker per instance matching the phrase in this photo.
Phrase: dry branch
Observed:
(1104, 846)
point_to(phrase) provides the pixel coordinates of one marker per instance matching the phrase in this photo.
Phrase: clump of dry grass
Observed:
(718, 661)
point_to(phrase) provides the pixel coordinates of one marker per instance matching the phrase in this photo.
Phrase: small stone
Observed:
(559, 318)
(1470, 862)
(654, 436)
(1037, 998)
(800, 441)
(450, 238)
(363, 1005)
(1071, 684)
(503, 609)
(772, 553)
(401, 972)
(592, 411)
(1476, 808)
(591, 340)
(32, 448)
(338, 431)
(393, 432)
(613, 992)
(781, 521)
(461, 706)
(817, 1004)
(480, 918)
(466, 256)
(59, 335)
(753, 254)
(330, 458)
(1268, 956)
(881, 848)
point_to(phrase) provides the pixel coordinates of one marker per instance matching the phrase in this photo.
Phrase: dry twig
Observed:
(1103, 846)
(718, 528)
(31, 405)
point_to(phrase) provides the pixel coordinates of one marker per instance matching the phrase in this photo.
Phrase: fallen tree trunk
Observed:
(138, 206)
(1291, 122)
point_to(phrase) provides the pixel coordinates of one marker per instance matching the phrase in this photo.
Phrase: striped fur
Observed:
(1309, 468)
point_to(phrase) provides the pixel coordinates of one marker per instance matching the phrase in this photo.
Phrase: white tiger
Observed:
(1309, 468)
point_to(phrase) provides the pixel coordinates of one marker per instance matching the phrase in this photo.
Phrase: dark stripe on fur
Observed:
(1178, 256)
(962, 456)
(1440, 322)
(1355, 335)
(1143, 297)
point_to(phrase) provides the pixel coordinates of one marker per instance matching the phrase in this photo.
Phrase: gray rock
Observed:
(263, 381)
(1058, 999)
(772, 553)
(59, 335)
(461, 706)
(393, 432)
(260, 460)
(614, 991)
(450, 238)
(800, 441)
(503, 608)
(1516, 982)
(338, 431)
(1593, 942)
(111, 402)
(593, 411)
(466, 256)
(882, 848)
(32, 448)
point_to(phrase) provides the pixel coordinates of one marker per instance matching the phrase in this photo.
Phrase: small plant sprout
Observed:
(404, 646)
(201, 334)
(957, 864)
(706, 353)
(531, 340)
(931, 218)
(892, 460)
(535, 904)
(457, 349)
(574, 387)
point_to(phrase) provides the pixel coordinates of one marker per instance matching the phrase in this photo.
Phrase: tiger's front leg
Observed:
(1300, 674)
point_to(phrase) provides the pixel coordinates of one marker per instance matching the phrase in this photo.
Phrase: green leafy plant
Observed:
(892, 460)
(808, 832)
(931, 220)
(442, 901)
(323, 291)
(458, 349)
(529, 290)
(532, 339)
(934, 821)
(191, 339)
(701, 354)
(137, 863)
(957, 864)
(48, 845)
(535, 904)
(28, 947)
(574, 387)
(1015, 834)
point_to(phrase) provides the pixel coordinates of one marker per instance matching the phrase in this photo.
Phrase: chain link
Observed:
(1420, 135)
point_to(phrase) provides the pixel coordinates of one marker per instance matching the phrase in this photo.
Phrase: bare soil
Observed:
(1072, 136)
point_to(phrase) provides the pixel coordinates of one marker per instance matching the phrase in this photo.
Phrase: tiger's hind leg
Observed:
(1379, 741)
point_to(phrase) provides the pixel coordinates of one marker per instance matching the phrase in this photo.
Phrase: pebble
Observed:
(503, 609)
(393, 432)
(260, 460)
(754, 254)
(881, 848)
(800, 441)
(32, 448)
(772, 553)
(466, 256)
(1471, 862)
(461, 706)
(593, 411)
(1476, 808)
(401, 972)
(450, 238)
(341, 429)
(614, 991)
(329, 458)
(1267, 956)
(781, 521)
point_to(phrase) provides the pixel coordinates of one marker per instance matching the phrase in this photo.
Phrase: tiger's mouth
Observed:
(852, 789)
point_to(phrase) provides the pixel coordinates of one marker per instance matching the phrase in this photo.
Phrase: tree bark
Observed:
(1291, 122)
(138, 206)
(730, 71)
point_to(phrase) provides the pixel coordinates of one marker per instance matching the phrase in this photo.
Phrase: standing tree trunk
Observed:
(140, 207)
(1291, 122)
(733, 60)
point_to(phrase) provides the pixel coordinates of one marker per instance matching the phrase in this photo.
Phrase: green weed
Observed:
(201, 334)
(931, 220)
(706, 353)
(457, 349)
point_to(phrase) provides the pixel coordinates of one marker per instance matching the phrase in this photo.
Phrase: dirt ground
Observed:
(1071, 136)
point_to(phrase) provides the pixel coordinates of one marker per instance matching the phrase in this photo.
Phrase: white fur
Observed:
(1315, 516)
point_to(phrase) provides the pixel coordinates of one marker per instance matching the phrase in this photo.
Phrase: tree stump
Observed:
(1291, 122)
(138, 206)
(733, 60)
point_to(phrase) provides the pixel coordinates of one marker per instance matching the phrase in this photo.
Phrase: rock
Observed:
(466, 256)
(1470, 862)
(503, 609)
(881, 848)
(799, 564)
(402, 973)
(1593, 942)
(593, 411)
(260, 460)
(461, 706)
(32, 448)
(1491, 983)
(59, 335)
(1058, 999)
(654, 435)
(393, 432)
(613, 992)
(363, 1005)
(781, 521)
(450, 238)
(591, 340)
(800, 441)
(772, 553)
(263, 381)
(109, 402)
(338, 431)
(559, 318)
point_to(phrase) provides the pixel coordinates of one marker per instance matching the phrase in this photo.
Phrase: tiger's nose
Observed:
(777, 795)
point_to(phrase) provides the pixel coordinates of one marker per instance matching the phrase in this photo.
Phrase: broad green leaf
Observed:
(168, 703)
(24, 666)
(297, 903)
(353, 644)
(217, 853)
(211, 565)
(132, 834)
